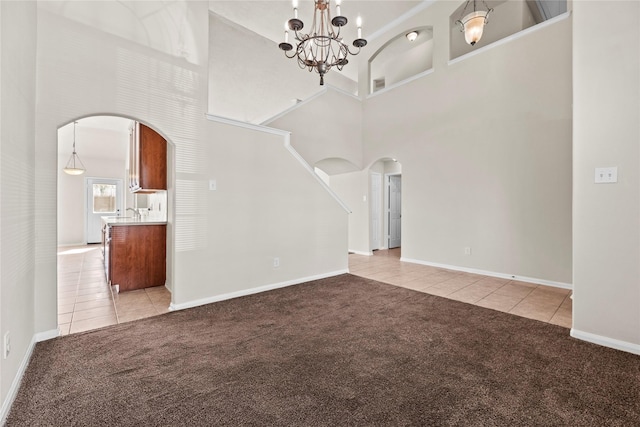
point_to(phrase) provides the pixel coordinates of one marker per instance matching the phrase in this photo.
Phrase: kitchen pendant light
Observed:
(74, 165)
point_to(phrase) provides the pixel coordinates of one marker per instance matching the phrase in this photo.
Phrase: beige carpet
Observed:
(334, 352)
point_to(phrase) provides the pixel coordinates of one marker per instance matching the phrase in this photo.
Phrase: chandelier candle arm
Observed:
(322, 48)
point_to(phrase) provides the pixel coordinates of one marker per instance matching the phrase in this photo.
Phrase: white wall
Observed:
(485, 147)
(473, 138)
(353, 190)
(328, 125)
(17, 175)
(266, 206)
(163, 83)
(606, 129)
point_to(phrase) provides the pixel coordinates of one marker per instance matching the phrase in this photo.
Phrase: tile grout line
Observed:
(560, 305)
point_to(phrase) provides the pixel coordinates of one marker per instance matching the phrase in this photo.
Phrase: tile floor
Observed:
(539, 302)
(85, 301)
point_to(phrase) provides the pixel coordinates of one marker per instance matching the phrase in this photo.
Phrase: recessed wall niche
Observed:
(400, 59)
(507, 18)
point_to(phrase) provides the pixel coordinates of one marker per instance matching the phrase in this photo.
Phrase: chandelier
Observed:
(472, 23)
(321, 48)
(74, 165)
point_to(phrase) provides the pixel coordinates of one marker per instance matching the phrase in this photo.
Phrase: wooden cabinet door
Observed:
(153, 160)
(138, 256)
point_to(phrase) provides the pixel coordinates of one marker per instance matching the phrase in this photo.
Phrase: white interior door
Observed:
(376, 210)
(395, 212)
(104, 198)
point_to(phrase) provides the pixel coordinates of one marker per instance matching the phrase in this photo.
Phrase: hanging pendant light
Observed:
(472, 23)
(74, 165)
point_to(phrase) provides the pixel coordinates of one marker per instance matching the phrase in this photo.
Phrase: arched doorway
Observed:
(100, 198)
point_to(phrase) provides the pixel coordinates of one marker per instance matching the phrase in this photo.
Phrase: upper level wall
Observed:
(327, 126)
(485, 145)
(250, 79)
(507, 18)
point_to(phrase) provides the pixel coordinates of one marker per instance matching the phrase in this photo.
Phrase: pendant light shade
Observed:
(472, 24)
(74, 165)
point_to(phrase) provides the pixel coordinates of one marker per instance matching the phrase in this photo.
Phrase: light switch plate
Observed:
(212, 185)
(606, 175)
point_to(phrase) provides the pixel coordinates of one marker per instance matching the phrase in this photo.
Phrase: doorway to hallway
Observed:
(394, 210)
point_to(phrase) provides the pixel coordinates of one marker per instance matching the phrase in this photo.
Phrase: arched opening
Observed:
(333, 166)
(374, 197)
(114, 251)
(405, 56)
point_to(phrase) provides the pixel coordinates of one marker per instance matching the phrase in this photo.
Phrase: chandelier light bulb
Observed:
(338, 8)
(359, 25)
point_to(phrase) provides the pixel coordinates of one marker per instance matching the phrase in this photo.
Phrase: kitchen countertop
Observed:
(129, 220)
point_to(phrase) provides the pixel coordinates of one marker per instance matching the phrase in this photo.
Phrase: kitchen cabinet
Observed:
(147, 159)
(135, 256)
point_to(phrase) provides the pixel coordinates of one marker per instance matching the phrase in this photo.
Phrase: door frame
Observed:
(387, 184)
(119, 202)
(379, 209)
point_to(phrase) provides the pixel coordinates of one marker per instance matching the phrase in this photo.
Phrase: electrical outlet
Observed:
(7, 345)
(467, 250)
(606, 175)
(276, 262)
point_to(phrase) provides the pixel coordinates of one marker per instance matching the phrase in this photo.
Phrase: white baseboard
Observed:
(15, 385)
(370, 253)
(47, 335)
(251, 291)
(606, 341)
(492, 273)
